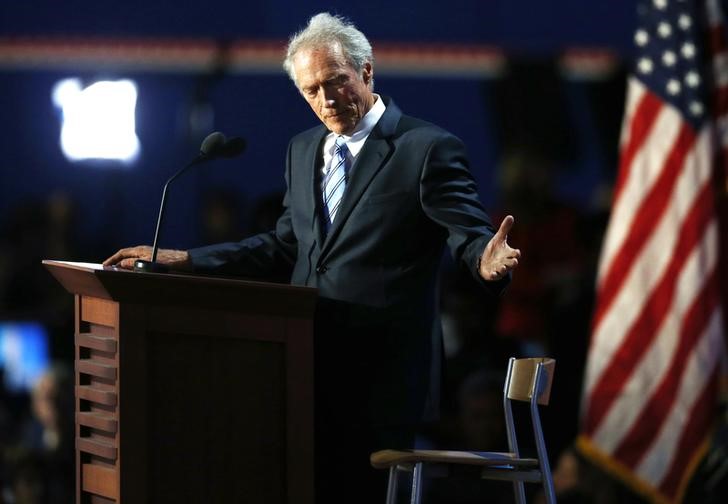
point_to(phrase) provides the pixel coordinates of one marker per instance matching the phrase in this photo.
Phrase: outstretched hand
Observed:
(499, 258)
(125, 258)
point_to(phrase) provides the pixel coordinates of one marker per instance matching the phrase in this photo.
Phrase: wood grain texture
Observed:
(100, 481)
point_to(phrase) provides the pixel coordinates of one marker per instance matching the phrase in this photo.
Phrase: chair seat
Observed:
(527, 380)
(388, 458)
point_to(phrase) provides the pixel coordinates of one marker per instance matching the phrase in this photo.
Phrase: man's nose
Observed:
(328, 97)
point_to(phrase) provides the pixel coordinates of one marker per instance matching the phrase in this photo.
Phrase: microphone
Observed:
(214, 146)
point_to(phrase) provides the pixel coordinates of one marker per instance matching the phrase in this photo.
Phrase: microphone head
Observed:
(216, 145)
(233, 147)
(212, 144)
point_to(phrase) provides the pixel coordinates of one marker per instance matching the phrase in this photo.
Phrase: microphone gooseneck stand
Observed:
(215, 145)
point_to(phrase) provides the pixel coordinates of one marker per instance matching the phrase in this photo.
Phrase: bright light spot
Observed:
(65, 90)
(98, 121)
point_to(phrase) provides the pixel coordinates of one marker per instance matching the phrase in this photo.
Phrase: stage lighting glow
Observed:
(23, 354)
(98, 121)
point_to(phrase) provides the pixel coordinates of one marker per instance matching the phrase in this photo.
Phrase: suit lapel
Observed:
(312, 162)
(371, 159)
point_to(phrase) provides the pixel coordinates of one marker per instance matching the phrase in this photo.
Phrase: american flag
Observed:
(657, 349)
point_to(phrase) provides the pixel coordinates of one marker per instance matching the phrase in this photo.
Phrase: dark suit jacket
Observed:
(409, 192)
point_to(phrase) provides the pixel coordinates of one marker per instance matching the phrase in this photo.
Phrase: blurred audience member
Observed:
(40, 467)
(52, 407)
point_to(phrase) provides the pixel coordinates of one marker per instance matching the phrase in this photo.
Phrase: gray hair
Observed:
(323, 30)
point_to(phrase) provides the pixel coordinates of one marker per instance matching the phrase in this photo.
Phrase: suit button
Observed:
(322, 269)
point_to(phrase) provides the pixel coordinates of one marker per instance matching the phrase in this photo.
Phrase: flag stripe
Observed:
(643, 331)
(717, 38)
(646, 272)
(713, 14)
(635, 91)
(644, 431)
(644, 118)
(646, 217)
(656, 463)
(720, 69)
(641, 175)
(653, 367)
(697, 428)
(722, 131)
(720, 101)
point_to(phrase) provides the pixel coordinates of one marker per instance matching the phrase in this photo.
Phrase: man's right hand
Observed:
(175, 259)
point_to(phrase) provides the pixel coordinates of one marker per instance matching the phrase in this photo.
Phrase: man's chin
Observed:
(340, 127)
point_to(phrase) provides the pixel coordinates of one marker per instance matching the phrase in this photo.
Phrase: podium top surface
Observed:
(116, 284)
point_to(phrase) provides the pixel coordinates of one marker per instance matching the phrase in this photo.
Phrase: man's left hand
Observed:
(498, 257)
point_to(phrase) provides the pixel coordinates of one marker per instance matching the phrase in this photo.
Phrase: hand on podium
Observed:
(174, 259)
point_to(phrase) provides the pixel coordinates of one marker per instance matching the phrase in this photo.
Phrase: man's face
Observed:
(338, 95)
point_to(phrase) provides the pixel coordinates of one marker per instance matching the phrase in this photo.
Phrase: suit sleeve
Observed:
(449, 197)
(268, 256)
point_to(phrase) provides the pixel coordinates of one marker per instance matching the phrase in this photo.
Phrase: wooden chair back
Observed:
(522, 379)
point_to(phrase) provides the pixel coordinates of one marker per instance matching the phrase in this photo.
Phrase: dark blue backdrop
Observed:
(118, 205)
(533, 25)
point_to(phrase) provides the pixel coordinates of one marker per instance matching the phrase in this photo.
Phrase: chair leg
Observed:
(548, 486)
(392, 485)
(520, 492)
(416, 497)
(546, 476)
(543, 458)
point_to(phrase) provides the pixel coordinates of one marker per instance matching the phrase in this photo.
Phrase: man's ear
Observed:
(367, 73)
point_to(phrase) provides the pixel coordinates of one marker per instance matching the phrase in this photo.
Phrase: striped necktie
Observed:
(334, 181)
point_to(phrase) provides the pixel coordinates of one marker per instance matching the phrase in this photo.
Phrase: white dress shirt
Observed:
(355, 141)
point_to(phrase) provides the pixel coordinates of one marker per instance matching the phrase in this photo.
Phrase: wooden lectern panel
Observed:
(187, 399)
(97, 393)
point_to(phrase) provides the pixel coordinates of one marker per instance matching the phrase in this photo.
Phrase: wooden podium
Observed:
(191, 389)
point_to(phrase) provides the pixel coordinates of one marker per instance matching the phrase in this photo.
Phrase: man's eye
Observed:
(336, 81)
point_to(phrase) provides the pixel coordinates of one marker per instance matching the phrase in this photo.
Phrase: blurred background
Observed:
(102, 101)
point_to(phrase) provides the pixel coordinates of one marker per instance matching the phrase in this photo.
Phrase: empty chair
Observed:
(527, 380)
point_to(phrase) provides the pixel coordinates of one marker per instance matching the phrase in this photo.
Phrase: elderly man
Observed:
(372, 197)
